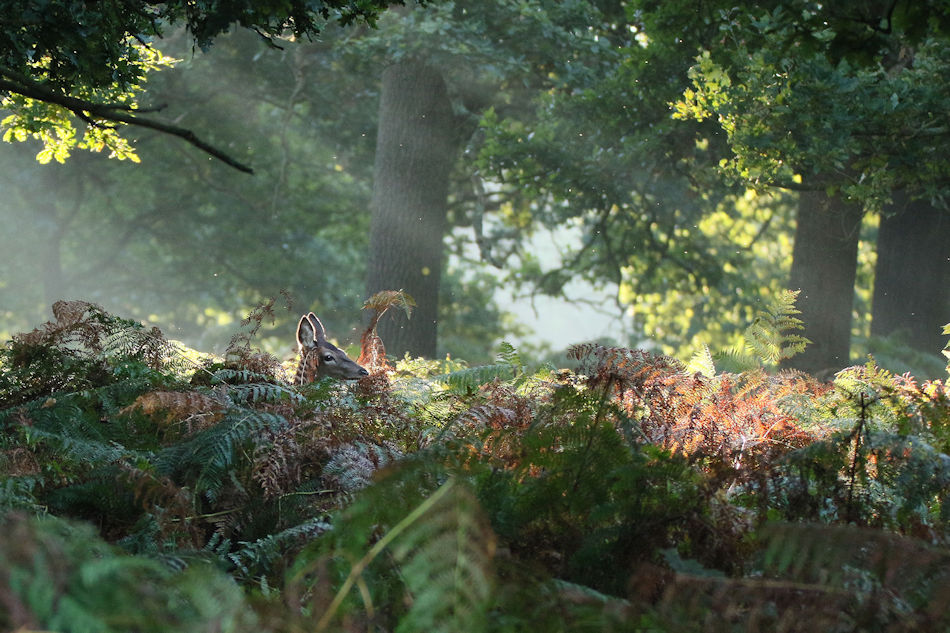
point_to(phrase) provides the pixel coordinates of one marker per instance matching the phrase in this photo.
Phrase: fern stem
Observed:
(210, 515)
(375, 551)
(862, 420)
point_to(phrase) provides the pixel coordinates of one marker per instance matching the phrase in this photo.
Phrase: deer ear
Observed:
(305, 333)
(319, 334)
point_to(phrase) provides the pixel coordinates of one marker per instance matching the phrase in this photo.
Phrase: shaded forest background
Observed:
(554, 117)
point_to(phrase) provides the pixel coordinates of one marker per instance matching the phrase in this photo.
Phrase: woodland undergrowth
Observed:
(147, 487)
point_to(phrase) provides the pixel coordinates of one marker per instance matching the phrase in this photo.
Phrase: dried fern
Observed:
(193, 409)
(372, 350)
(736, 417)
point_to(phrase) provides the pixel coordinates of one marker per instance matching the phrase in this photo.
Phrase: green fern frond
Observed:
(18, 493)
(351, 466)
(772, 336)
(79, 451)
(902, 571)
(508, 367)
(446, 562)
(509, 355)
(238, 376)
(211, 453)
(223, 450)
(702, 362)
(258, 557)
(443, 549)
(472, 378)
(262, 392)
(60, 576)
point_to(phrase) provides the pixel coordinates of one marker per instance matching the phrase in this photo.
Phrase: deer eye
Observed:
(328, 358)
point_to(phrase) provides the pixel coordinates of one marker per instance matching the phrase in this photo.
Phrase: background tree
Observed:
(444, 68)
(557, 118)
(416, 147)
(841, 102)
(202, 241)
(912, 273)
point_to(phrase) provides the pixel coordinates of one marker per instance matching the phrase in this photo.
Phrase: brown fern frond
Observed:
(19, 461)
(277, 462)
(372, 349)
(737, 417)
(494, 428)
(487, 416)
(70, 312)
(86, 329)
(194, 410)
(255, 361)
(386, 299)
(241, 355)
(372, 352)
(622, 367)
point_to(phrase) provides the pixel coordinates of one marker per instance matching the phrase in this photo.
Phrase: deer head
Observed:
(318, 357)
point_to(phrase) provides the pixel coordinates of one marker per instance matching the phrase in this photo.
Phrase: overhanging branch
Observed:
(94, 113)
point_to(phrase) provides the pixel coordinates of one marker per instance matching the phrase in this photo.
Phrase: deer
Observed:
(320, 358)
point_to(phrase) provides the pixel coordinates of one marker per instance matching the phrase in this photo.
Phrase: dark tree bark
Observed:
(912, 276)
(416, 148)
(824, 263)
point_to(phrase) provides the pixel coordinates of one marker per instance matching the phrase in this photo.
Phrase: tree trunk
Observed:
(416, 148)
(912, 277)
(824, 263)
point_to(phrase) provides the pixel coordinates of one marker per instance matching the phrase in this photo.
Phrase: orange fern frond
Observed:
(372, 349)
(196, 410)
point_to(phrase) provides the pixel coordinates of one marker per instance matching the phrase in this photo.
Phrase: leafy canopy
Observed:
(64, 59)
(825, 98)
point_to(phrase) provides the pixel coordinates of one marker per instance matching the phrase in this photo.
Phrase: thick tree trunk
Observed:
(824, 262)
(912, 277)
(416, 148)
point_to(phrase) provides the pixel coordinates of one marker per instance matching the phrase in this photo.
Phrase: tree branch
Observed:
(115, 112)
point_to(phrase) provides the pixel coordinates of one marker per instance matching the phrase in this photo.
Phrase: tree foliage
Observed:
(829, 99)
(63, 60)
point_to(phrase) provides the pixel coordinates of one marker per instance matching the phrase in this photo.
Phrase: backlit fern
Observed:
(733, 416)
(772, 337)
